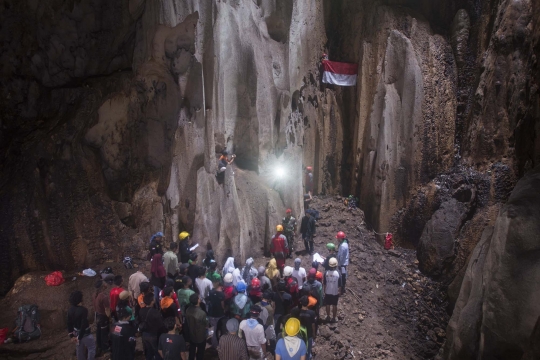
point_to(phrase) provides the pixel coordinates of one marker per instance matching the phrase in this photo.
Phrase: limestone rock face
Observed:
(115, 115)
(497, 308)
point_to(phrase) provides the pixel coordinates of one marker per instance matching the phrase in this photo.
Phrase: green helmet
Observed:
(331, 246)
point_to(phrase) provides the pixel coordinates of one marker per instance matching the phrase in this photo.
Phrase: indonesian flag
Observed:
(338, 73)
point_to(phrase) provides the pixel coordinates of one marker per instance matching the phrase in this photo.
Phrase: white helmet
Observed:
(228, 278)
(287, 271)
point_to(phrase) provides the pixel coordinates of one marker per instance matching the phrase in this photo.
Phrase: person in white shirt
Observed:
(331, 286)
(203, 285)
(299, 273)
(253, 332)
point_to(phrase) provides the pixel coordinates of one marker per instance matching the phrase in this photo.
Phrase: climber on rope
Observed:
(343, 258)
(222, 164)
(309, 184)
(280, 247)
(289, 230)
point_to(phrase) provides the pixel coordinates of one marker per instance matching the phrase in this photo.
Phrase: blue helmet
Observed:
(240, 287)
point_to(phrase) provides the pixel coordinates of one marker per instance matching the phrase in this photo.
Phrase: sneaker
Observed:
(327, 319)
(333, 321)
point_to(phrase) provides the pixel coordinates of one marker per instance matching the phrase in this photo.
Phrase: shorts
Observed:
(331, 299)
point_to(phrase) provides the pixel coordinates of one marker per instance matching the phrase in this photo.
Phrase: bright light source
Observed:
(280, 172)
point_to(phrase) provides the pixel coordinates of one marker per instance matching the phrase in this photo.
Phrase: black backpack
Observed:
(27, 323)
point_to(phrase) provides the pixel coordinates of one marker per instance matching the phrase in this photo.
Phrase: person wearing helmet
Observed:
(292, 284)
(291, 347)
(299, 273)
(309, 183)
(289, 229)
(332, 253)
(251, 330)
(183, 247)
(315, 286)
(280, 247)
(241, 303)
(343, 258)
(331, 286)
(307, 229)
(228, 289)
(254, 291)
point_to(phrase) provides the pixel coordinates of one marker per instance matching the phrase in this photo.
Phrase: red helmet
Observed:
(340, 235)
(309, 168)
(288, 211)
(256, 282)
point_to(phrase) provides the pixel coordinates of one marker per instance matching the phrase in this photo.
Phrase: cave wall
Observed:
(115, 114)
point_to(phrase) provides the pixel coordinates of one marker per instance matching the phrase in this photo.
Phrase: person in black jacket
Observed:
(307, 229)
(155, 245)
(123, 337)
(184, 246)
(78, 327)
(153, 328)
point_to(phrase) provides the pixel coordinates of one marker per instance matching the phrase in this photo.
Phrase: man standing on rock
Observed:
(280, 247)
(289, 229)
(343, 258)
(307, 229)
(331, 285)
(299, 273)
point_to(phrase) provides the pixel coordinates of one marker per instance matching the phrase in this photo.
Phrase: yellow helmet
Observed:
(183, 235)
(279, 228)
(292, 327)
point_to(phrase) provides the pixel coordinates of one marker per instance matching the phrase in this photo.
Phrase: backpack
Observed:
(27, 323)
(303, 334)
(128, 263)
(292, 286)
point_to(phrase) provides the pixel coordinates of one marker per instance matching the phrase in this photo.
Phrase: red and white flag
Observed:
(338, 73)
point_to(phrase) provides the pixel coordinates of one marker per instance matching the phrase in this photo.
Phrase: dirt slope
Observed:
(397, 313)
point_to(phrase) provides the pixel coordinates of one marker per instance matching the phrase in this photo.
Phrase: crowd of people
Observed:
(183, 305)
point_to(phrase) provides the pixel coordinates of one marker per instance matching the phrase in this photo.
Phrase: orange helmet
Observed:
(256, 282)
(318, 276)
(340, 235)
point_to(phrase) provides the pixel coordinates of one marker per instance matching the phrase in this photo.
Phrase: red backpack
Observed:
(292, 286)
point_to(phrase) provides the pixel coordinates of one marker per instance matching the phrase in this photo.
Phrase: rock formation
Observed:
(498, 307)
(114, 114)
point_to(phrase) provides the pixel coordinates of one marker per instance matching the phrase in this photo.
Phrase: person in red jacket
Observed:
(114, 296)
(280, 248)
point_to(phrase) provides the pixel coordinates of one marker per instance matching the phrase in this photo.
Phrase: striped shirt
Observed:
(231, 347)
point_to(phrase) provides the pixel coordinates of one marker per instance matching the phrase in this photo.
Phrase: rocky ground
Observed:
(390, 311)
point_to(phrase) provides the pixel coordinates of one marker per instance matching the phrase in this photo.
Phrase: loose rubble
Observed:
(390, 311)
